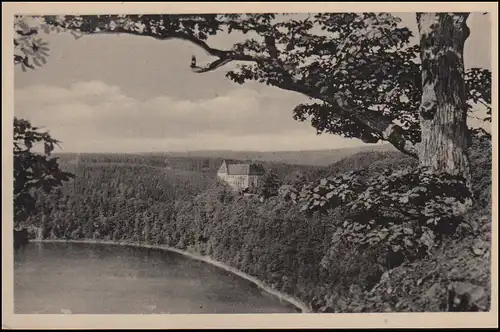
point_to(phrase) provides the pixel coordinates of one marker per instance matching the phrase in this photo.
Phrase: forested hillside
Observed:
(402, 224)
(307, 157)
(202, 165)
(324, 257)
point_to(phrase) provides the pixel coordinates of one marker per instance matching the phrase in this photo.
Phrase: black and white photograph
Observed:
(257, 162)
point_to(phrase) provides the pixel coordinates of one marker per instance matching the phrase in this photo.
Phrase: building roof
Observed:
(244, 169)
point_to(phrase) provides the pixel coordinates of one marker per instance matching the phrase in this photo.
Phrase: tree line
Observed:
(322, 254)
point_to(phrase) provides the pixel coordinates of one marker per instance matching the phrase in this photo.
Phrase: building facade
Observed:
(240, 176)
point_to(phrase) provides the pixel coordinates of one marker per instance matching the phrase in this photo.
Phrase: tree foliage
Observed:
(360, 70)
(330, 260)
(33, 170)
(269, 185)
(405, 211)
(362, 75)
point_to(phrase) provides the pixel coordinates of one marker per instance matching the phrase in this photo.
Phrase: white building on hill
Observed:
(240, 176)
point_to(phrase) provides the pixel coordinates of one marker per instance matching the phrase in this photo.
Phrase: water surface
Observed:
(82, 278)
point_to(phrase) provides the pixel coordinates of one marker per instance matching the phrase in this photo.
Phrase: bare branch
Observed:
(166, 36)
(212, 66)
(224, 56)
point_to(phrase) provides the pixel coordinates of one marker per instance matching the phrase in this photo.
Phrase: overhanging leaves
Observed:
(359, 69)
(33, 171)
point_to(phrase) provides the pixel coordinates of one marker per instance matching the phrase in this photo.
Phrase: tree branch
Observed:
(379, 124)
(164, 36)
(224, 56)
(376, 121)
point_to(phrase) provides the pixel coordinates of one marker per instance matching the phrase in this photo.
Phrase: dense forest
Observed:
(321, 253)
(305, 157)
(182, 164)
(402, 229)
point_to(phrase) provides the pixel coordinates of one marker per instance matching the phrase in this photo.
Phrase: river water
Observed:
(80, 278)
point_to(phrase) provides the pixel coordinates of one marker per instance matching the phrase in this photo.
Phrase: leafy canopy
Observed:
(33, 170)
(407, 210)
(269, 185)
(361, 71)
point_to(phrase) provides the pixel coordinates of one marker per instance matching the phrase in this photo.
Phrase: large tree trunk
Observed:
(443, 113)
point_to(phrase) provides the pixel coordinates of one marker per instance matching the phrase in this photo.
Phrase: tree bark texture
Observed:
(443, 112)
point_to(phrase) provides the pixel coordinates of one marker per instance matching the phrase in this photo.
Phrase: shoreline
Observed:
(206, 259)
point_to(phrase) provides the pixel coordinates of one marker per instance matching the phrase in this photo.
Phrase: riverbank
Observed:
(206, 259)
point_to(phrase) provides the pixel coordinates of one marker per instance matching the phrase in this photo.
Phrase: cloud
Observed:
(105, 110)
(93, 115)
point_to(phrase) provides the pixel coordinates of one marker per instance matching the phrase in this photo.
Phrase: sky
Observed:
(121, 93)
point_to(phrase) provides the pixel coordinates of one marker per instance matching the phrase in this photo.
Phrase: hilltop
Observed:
(286, 164)
(319, 158)
(300, 157)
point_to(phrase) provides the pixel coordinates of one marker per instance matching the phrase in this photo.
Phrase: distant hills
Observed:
(285, 164)
(307, 157)
(289, 166)
(318, 158)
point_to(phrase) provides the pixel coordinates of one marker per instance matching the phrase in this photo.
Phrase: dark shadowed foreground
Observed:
(77, 278)
(21, 238)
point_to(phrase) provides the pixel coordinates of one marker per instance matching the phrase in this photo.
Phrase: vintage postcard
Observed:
(249, 165)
